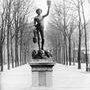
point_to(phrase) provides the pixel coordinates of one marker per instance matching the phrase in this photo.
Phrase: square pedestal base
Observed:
(42, 79)
(42, 73)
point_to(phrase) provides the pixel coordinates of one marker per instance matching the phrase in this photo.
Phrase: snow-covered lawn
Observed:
(64, 78)
(16, 79)
(70, 78)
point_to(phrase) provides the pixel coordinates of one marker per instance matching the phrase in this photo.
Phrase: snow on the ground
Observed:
(16, 79)
(64, 78)
(70, 78)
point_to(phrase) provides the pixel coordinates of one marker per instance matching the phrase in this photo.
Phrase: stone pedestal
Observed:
(42, 73)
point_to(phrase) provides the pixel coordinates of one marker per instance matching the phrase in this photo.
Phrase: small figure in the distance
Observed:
(39, 24)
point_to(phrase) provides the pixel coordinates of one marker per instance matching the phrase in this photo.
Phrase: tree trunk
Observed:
(59, 60)
(16, 39)
(79, 46)
(57, 48)
(1, 57)
(20, 54)
(79, 52)
(64, 20)
(66, 55)
(16, 49)
(85, 31)
(8, 56)
(65, 50)
(61, 54)
(25, 59)
(21, 47)
(69, 50)
(12, 53)
(73, 53)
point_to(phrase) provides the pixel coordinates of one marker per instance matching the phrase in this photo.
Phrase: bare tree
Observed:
(21, 10)
(64, 21)
(8, 15)
(72, 27)
(85, 31)
(2, 34)
(13, 21)
(79, 47)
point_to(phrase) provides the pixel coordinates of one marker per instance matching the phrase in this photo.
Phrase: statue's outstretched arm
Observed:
(47, 12)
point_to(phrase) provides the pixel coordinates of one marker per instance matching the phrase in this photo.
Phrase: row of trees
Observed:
(13, 31)
(69, 22)
(67, 28)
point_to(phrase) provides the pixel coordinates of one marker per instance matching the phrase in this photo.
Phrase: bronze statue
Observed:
(39, 24)
(39, 32)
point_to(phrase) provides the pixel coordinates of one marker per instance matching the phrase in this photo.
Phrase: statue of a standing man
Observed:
(39, 24)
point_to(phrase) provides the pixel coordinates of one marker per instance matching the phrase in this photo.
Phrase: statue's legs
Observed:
(38, 39)
(42, 37)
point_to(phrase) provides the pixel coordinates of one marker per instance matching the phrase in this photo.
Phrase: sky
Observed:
(41, 4)
(87, 9)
